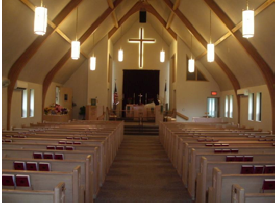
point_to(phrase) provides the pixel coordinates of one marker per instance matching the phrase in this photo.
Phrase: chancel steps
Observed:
(141, 130)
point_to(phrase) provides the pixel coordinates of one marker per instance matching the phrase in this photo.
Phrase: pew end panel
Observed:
(57, 195)
(237, 195)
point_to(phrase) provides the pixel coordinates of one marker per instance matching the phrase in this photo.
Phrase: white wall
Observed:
(16, 120)
(151, 57)
(97, 79)
(78, 82)
(4, 107)
(266, 123)
(192, 95)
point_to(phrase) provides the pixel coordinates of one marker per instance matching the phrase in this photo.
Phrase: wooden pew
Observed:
(41, 180)
(239, 195)
(33, 196)
(204, 177)
(222, 184)
(241, 147)
(180, 152)
(186, 156)
(25, 145)
(194, 165)
(68, 155)
(86, 179)
(99, 153)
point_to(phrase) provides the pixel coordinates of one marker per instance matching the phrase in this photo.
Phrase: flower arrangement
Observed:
(55, 109)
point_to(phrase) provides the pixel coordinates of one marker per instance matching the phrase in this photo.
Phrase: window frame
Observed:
(251, 106)
(24, 103)
(32, 98)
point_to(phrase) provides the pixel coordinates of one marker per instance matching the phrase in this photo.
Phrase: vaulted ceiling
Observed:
(239, 62)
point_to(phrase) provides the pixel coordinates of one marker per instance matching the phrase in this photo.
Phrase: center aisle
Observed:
(142, 172)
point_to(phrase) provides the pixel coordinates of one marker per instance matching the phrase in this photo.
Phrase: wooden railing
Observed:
(182, 116)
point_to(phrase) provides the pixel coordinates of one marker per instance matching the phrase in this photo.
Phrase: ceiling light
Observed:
(248, 22)
(40, 20)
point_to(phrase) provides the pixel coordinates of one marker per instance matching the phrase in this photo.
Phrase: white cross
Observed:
(141, 41)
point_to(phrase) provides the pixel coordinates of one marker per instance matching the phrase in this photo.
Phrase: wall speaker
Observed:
(142, 16)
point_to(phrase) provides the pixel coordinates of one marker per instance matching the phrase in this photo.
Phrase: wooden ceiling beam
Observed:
(147, 7)
(171, 17)
(238, 26)
(50, 75)
(21, 62)
(198, 36)
(111, 5)
(153, 11)
(133, 10)
(266, 70)
(53, 25)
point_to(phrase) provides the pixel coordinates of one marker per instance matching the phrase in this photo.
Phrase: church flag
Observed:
(164, 98)
(115, 96)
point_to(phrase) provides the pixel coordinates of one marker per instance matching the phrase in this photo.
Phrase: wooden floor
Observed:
(142, 172)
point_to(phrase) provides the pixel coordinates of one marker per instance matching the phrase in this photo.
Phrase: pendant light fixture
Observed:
(40, 20)
(191, 62)
(162, 53)
(120, 51)
(248, 22)
(75, 45)
(93, 58)
(210, 47)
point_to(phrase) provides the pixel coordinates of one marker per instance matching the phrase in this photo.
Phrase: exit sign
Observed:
(214, 93)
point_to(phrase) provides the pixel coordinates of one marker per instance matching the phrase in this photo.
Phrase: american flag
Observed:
(115, 96)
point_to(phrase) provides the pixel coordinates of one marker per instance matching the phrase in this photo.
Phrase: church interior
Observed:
(136, 56)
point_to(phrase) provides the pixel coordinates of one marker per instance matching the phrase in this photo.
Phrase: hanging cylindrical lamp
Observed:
(162, 53)
(248, 22)
(75, 50)
(40, 20)
(191, 62)
(120, 55)
(75, 45)
(92, 63)
(162, 56)
(120, 51)
(210, 47)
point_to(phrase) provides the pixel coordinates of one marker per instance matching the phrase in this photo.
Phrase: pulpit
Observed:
(93, 112)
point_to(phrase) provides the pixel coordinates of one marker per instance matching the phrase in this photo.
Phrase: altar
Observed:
(136, 112)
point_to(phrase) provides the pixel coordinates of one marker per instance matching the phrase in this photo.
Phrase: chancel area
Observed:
(123, 97)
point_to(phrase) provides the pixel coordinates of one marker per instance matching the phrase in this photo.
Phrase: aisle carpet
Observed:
(142, 172)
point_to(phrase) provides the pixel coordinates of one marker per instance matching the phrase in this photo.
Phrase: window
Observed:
(212, 107)
(24, 106)
(31, 102)
(57, 90)
(251, 106)
(226, 106)
(231, 106)
(259, 106)
(197, 75)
